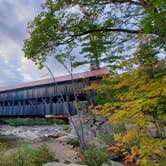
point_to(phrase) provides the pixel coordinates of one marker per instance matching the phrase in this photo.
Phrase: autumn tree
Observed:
(137, 99)
(126, 34)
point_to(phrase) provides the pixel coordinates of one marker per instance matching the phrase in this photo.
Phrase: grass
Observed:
(94, 156)
(26, 155)
(73, 141)
(30, 121)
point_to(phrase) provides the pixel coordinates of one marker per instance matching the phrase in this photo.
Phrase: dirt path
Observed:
(64, 152)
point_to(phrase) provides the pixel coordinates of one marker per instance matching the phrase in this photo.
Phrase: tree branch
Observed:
(72, 37)
(108, 30)
(113, 1)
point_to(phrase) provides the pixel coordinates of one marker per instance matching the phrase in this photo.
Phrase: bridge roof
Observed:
(59, 79)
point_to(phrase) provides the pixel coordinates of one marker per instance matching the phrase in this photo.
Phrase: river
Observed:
(54, 136)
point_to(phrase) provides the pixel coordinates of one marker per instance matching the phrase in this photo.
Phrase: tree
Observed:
(128, 34)
(103, 31)
(137, 99)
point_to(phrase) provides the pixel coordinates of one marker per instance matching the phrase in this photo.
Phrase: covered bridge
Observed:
(47, 97)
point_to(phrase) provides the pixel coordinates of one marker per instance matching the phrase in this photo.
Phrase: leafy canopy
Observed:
(137, 98)
(95, 31)
(128, 34)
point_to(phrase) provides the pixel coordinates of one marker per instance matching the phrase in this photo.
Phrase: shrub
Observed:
(26, 156)
(59, 121)
(93, 156)
(120, 128)
(73, 141)
(121, 151)
(66, 127)
(107, 139)
(26, 121)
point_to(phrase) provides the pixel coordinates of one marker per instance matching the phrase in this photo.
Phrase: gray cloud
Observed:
(14, 16)
(10, 13)
(14, 68)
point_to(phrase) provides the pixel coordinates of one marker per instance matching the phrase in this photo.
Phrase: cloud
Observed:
(14, 68)
(14, 16)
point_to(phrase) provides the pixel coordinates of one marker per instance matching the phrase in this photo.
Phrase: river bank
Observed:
(54, 136)
(33, 132)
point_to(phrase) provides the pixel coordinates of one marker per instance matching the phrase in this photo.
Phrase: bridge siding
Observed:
(44, 91)
(25, 102)
(40, 100)
(38, 110)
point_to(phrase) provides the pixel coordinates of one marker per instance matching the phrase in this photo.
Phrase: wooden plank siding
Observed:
(43, 98)
(44, 91)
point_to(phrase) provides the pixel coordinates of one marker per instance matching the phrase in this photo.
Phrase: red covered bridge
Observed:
(44, 97)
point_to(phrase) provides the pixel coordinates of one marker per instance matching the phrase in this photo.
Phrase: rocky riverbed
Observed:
(33, 132)
(54, 136)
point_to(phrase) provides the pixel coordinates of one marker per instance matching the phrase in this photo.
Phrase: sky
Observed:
(14, 68)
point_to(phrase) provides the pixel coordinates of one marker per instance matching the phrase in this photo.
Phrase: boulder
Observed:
(54, 164)
(113, 163)
(61, 164)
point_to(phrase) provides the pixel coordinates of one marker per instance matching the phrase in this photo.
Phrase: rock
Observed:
(113, 163)
(100, 118)
(117, 163)
(57, 134)
(54, 164)
(65, 138)
(93, 126)
(75, 165)
(33, 132)
(61, 164)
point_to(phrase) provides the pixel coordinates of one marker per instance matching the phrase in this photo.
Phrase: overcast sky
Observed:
(14, 68)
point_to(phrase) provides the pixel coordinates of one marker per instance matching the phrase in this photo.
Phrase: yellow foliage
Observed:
(118, 117)
(138, 100)
(130, 135)
(118, 137)
(149, 151)
(164, 79)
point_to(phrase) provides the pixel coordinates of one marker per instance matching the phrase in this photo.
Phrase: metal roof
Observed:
(86, 74)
